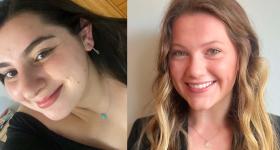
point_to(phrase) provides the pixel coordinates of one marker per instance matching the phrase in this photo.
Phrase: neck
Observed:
(213, 118)
(97, 96)
(211, 128)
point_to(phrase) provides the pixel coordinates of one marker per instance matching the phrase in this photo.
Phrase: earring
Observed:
(96, 51)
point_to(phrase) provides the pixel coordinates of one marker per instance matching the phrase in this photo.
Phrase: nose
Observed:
(30, 83)
(196, 67)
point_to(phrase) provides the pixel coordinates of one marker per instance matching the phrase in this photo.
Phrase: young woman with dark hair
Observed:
(66, 66)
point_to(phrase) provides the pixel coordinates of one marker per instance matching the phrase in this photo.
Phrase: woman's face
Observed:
(203, 62)
(44, 67)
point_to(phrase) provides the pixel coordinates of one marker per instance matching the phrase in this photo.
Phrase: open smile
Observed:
(49, 100)
(200, 87)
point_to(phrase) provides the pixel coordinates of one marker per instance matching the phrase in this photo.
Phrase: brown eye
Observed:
(42, 55)
(10, 74)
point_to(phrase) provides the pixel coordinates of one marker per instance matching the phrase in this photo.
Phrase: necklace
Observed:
(207, 143)
(104, 115)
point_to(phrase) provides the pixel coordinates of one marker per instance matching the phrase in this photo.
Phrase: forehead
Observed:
(20, 31)
(21, 28)
(199, 27)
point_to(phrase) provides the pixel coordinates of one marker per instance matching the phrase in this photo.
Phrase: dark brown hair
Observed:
(109, 33)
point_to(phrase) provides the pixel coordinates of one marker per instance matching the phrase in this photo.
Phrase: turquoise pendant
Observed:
(103, 116)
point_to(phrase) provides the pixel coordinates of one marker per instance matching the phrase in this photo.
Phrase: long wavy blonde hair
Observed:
(253, 127)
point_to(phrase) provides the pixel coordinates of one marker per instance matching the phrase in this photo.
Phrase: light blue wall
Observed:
(5, 101)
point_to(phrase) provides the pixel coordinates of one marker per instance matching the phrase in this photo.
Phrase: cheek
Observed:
(13, 92)
(176, 69)
(227, 71)
(76, 65)
(66, 65)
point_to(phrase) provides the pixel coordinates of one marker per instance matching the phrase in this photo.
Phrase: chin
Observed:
(56, 116)
(200, 106)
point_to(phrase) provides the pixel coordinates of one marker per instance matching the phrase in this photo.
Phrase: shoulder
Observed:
(23, 132)
(138, 125)
(135, 133)
(140, 122)
(276, 122)
(25, 123)
(138, 140)
(28, 120)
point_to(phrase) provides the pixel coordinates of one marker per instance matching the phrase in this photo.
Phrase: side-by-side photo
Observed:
(63, 68)
(139, 75)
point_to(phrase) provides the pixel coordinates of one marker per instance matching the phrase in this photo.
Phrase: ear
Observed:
(86, 34)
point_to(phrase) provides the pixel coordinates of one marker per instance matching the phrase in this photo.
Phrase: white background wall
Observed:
(265, 17)
(144, 17)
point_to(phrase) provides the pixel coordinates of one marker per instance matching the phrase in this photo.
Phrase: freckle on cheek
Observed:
(72, 80)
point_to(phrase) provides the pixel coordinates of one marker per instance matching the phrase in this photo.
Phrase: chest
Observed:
(219, 142)
(92, 129)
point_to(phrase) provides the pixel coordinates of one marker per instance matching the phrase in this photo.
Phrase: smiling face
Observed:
(44, 67)
(203, 62)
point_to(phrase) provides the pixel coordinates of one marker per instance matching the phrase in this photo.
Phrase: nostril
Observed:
(30, 86)
(29, 95)
(29, 91)
(29, 82)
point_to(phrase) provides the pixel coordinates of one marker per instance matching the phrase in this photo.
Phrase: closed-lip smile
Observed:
(49, 100)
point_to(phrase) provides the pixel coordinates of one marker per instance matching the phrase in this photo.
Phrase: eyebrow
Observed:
(211, 42)
(30, 47)
(2, 65)
(202, 45)
(36, 42)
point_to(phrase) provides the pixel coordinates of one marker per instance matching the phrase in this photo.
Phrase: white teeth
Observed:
(200, 86)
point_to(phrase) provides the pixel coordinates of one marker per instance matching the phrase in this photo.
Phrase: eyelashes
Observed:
(213, 51)
(43, 54)
(177, 53)
(40, 57)
(8, 75)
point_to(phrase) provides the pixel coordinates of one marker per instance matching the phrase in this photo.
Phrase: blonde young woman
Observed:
(209, 91)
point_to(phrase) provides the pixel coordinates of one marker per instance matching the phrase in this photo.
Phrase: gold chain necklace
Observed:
(207, 143)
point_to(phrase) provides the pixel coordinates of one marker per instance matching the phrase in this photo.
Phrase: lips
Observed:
(48, 101)
(200, 87)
